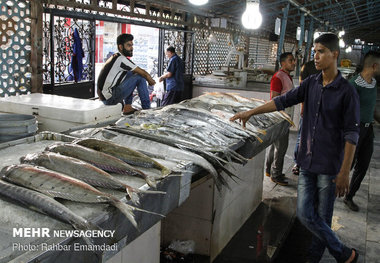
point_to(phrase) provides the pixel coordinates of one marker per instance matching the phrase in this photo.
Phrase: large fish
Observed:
(123, 153)
(83, 171)
(46, 205)
(101, 160)
(56, 184)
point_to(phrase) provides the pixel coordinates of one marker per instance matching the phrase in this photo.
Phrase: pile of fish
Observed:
(202, 126)
(72, 171)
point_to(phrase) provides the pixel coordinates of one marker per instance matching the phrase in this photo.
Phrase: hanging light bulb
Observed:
(341, 33)
(198, 2)
(341, 43)
(348, 49)
(252, 18)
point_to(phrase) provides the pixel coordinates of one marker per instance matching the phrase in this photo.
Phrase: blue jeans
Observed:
(124, 91)
(298, 140)
(315, 205)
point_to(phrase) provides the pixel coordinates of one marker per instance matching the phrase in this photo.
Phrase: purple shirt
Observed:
(330, 118)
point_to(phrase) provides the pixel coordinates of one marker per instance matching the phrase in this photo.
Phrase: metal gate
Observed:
(58, 76)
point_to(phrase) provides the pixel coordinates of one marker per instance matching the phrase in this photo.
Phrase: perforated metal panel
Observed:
(211, 49)
(15, 46)
(262, 52)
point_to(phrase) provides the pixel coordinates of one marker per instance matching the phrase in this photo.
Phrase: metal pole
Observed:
(310, 34)
(300, 41)
(282, 34)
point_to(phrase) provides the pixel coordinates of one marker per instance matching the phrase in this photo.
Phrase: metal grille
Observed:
(262, 52)
(15, 45)
(211, 49)
(57, 52)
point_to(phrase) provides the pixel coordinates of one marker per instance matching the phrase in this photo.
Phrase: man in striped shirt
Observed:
(120, 76)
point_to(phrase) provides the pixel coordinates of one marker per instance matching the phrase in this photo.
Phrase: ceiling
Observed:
(359, 18)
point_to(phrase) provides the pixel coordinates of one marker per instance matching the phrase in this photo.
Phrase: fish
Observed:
(211, 158)
(101, 160)
(46, 205)
(123, 153)
(83, 171)
(58, 185)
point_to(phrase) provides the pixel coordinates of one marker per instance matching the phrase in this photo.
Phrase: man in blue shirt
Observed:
(330, 131)
(174, 78)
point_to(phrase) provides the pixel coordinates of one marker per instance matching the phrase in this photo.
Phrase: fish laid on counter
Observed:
(83, 171)
(44, 204)
(101, 160)
(56, 184)
(123, 153)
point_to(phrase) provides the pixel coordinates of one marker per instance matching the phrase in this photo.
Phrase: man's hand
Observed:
(342, 183)
(242, 117)
(151, 82)
(161, 79)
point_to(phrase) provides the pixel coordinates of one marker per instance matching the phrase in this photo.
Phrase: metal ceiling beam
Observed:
(356, 13)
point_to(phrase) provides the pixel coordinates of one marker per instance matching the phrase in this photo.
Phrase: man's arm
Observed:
(165, 76)
(376, 115)
(342, 179)
(145, 75)
(245, 115)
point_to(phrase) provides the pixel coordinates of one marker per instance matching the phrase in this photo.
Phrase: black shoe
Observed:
(350, 203)
(280, 180)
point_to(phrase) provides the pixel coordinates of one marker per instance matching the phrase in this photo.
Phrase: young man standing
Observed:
(174, 78)
(365, 84)
(280, 84)
(120, 76)
(330, 131)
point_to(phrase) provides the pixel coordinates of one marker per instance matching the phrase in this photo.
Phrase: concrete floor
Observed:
(356, 229)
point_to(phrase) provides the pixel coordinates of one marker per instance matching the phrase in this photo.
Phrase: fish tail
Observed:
(133, 194)
(151, 192)
(126, 210)
(151, 181)
(86, 225)
(165, 171)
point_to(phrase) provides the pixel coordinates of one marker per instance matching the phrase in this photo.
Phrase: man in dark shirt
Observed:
(307, 69)
(174, 78)
(330, 131)
(365, 84)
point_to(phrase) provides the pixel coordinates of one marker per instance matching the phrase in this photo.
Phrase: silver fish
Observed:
(123, 153)
(46, 205)
(101, 160)
(83, 171)
(55, 184)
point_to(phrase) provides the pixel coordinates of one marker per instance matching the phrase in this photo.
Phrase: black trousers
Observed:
(363, 154)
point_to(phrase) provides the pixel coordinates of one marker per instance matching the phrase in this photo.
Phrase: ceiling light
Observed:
(341, 43)
(317, 34)
(348, 49)
(341, 33)
(252, 18)
(198, 2)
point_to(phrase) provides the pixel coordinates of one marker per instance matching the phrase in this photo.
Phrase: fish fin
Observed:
(126, 210)
(151, 181)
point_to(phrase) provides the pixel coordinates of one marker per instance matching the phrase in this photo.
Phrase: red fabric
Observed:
(275, 84)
